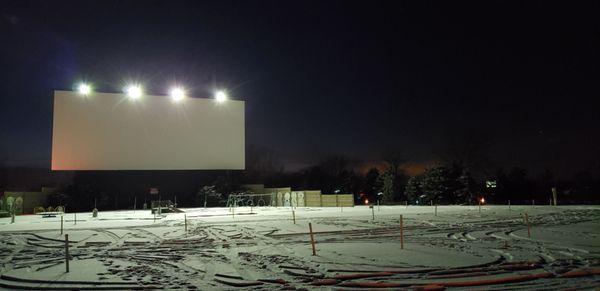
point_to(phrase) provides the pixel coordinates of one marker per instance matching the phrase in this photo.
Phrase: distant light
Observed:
(134, 91)
(221, 96)
(366, 201)
(482, 200)
(84, 89)
(177, 94)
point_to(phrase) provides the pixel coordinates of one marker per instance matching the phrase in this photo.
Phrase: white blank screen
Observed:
(111, 132)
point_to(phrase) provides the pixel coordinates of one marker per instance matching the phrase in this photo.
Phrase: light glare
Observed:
(134, 91)
(221, 96)
(84, 89)
(177, 94)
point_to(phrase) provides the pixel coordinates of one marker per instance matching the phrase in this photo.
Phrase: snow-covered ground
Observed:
(262, 248)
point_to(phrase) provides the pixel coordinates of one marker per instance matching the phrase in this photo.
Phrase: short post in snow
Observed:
(75, 215)
(528, 225)
(294, 216)
(67, 252)
(185, 223)
(134, 203)
(435, 208)
(532, 202)
(479, 206)
(406, 203)
(373, 211)
(508, 205)
(401, 232)
(312, 239)
(61, 224)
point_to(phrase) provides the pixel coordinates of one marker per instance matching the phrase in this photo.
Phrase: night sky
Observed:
(325, 77)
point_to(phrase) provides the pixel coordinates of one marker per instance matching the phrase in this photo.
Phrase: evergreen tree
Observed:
(436, 185)
(465, 190)
(371, 181)
(413, 189)
(386, 186)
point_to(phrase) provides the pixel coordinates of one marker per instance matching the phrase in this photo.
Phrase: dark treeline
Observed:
(456, 179)
(440, 183)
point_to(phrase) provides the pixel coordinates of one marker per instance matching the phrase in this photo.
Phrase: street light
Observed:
(84, 89)
(134, 91)
(220, 96)
(177, 94)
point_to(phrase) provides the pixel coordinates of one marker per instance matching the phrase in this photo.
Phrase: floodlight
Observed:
(177, 94)
(84, 89)
(134, 91)
(220, 96)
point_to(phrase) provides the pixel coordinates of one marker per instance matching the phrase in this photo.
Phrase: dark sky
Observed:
(324, 77)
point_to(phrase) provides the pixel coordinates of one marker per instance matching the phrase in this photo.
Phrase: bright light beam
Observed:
(134, 91)
(220, 96)
(84, 89)
(177, 94)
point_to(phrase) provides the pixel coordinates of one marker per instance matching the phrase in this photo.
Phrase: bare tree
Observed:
(394, 159)
(262, 162)
(468, 150)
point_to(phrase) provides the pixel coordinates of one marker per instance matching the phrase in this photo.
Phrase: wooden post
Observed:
(435, 210)
(294, 216)
(508, 205)
(479, 206)
(312, 239)
(373, 211)
(528, 225)
(12, 216)
(154, 215)
(67, 252)
(75, 214)
(185, 222)
(401, 233)
(61, 224)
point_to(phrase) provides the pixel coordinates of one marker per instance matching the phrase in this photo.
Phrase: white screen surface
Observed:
(111, 132)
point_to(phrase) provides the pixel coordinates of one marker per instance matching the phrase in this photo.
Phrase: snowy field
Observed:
(262, 249)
